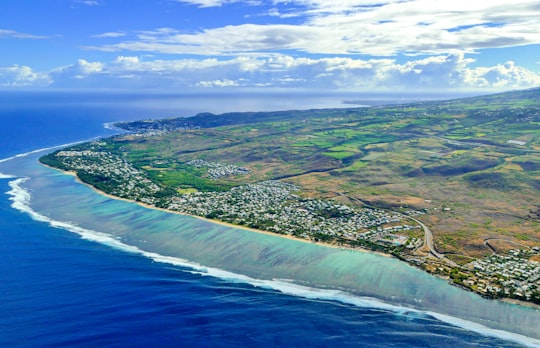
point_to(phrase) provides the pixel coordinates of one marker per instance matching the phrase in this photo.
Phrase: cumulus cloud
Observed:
(506, 75)
(441, 72)
(433, 39)
(80, 70)
(22, 76)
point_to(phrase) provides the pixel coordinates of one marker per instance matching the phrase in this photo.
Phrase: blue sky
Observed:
(352, 45)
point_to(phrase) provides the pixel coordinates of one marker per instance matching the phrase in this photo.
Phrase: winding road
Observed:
(428, 242)
(428, 238)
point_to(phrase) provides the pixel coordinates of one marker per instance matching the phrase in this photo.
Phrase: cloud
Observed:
(88, 2)
(127, 60)
(217, 83)
(12, 34)
(81, 70)
(353, 27)
(442, 72)
(205, 3)
(22, 76)
(324, 47)
(506, 75)
(219, 3)
(109, 35)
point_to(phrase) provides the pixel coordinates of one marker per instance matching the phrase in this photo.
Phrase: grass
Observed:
(357, 165)
(339, 154)
(186, 191)
(313, 143)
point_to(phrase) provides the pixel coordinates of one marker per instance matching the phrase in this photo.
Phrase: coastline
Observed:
(218, 222)
(519, 302)
(322, 244)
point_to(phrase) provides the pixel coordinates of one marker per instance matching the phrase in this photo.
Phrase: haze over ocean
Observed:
(137, 277)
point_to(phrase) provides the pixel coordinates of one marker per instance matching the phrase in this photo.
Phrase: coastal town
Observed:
(273, 206)
(121, 178)
(512, 275)
(278, 207)
(269, 205)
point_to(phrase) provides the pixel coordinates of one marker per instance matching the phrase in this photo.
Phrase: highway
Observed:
(428, 242)
(428, 238)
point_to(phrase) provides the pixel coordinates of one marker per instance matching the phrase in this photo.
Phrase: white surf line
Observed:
(25, 154)
(289, 288)
(107, 125)
(486, 331)
(21, 198)
(111, 126)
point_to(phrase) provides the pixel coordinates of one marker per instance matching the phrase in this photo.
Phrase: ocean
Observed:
(80, 269)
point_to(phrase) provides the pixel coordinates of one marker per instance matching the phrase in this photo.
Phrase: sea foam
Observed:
(21, 199)
(111, 126)
(24, 154)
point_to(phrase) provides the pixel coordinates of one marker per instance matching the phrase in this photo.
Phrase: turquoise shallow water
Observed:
(267, 261)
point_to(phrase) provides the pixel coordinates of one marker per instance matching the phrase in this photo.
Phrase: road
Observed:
(486, 243)
(428, 238)
(428, 242)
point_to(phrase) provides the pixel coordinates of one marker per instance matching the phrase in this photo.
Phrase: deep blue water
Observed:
(57, 289)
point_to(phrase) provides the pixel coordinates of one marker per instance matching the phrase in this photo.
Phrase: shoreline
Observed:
(218, 222)
(322, 244)
(519, 302)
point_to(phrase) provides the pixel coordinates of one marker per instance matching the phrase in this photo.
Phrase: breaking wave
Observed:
(38, 151)
(33, 152)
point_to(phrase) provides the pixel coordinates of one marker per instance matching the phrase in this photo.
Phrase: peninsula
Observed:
(452, 187)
